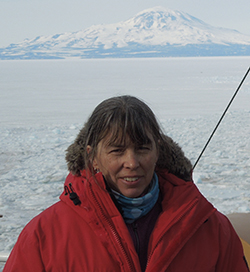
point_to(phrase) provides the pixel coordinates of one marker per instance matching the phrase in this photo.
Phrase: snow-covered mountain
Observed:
(153, 32)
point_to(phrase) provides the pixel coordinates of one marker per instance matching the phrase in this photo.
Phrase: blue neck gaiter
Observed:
(135, 208)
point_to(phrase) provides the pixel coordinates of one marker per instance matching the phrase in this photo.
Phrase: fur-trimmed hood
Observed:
(176, 162)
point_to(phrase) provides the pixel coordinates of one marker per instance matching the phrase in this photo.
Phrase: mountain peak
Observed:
(155, 31)
(156, 9)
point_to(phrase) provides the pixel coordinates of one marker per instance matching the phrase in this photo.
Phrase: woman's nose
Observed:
(131, 160)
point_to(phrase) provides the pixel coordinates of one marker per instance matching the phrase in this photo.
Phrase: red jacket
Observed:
(189, 235)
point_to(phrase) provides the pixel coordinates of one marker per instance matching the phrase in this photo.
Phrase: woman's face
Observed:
(127, 168)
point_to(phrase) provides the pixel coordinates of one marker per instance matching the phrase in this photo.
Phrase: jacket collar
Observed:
(184, 211)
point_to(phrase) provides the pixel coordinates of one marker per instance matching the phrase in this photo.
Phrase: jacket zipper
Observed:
(137, 247)
(115, 234)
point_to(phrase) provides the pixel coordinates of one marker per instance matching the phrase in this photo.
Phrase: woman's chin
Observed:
(132, 193)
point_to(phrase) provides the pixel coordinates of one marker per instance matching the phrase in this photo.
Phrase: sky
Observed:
(27, 19)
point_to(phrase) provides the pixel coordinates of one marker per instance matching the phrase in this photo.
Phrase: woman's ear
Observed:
(93, 162)
(89, 148)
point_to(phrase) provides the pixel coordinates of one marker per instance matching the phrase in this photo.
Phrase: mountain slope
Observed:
(152, 32)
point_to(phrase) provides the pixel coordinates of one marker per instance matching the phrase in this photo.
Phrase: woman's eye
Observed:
(143, 147)
(118, 150)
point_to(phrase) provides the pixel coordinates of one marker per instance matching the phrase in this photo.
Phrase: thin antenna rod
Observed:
(221, 117)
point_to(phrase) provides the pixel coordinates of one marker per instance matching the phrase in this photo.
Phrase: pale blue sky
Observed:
(20, 19)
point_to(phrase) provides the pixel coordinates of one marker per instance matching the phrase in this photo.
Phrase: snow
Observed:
(155, 26)
(153, 29)
(44, 104)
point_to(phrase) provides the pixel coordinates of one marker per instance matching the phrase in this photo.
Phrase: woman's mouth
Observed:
(131, 179)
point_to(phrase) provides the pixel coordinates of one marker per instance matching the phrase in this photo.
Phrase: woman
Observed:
(129, 204)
